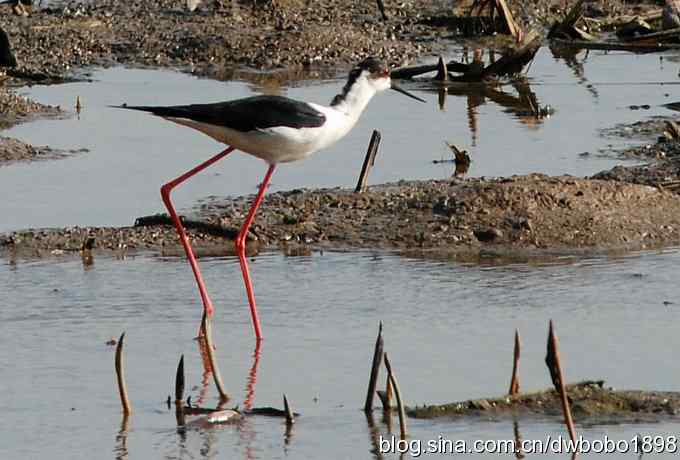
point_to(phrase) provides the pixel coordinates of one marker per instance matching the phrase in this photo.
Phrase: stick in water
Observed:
(552, 360)
(120, 374)
(375, 370)
(207, 336)
(179, 382)
(289, 413)
(397, 394)
(514, 381)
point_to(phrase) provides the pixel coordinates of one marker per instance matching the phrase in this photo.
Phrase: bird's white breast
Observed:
(280, 144)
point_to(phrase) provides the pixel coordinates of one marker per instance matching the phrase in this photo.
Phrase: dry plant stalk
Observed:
(217, 377)
(375, 370)
(514, 381)
(290, 419)
(179, 382)
(552, 360)
(397, 393)
(120, 374)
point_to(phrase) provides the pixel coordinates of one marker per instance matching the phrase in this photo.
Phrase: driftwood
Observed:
(407, 73)
(634, 47)
(567, 28)
(514, 62)
(506, 23)
(656, 37)
(509, 64)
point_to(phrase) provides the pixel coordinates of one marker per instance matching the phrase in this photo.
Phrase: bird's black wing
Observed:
(248, 114)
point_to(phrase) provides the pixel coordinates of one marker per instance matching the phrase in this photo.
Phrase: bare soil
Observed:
(458, 217)
(521, 215)
(53, 43)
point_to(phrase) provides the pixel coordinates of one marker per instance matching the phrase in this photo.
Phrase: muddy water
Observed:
(448, 327)
(131, 154)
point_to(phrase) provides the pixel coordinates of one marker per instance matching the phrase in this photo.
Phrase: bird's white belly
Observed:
(280, 144)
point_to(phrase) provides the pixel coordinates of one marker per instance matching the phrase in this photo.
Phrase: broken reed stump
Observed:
(442, 73)
(179, 382)
(386, 396)
(397, 393)
(369, 161)
(179, 394)
(514, 381)
(207, 337)
(290, 418)
(120, 375)
(375, 370)
(552, 360)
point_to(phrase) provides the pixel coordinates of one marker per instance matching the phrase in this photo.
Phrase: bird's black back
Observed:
(248, 114)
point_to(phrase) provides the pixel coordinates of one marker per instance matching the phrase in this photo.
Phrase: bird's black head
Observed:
(374, 66)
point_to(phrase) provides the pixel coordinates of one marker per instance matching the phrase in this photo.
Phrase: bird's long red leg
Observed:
(241, 250)
(165, 194)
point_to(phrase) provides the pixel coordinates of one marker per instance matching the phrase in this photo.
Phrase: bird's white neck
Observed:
(355, 96)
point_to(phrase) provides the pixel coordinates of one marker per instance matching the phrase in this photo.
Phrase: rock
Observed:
(487, 235)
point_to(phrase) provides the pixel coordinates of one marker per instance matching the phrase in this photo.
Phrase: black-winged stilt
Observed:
(277, 130)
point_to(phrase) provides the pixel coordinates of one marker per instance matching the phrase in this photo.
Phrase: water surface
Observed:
(448, 330)
(132, 154)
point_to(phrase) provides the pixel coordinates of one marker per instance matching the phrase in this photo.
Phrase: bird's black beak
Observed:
(401, 90)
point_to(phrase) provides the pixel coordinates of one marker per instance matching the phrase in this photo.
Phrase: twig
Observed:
(120, 374)
(397, 393)
(552, 360)
(514, 381)
(369, 160)
(207, 336)
(375, 370)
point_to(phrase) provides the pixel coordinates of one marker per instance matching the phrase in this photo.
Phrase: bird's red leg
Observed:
(165, 194)
(241, 250)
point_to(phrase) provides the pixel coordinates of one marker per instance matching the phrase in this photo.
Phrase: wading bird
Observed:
(277, 130)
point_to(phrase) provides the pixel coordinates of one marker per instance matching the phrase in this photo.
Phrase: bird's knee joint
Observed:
(240, 243)
(165, 191)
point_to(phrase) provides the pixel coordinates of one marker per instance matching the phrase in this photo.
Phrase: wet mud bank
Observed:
(16, 109)
(523, 215)
(218, 36)
(592, 403)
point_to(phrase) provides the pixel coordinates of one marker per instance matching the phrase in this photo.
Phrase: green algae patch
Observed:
(591, 402)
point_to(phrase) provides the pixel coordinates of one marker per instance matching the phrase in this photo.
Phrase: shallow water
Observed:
(132, 154)
(448, 326)
(448, 330)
